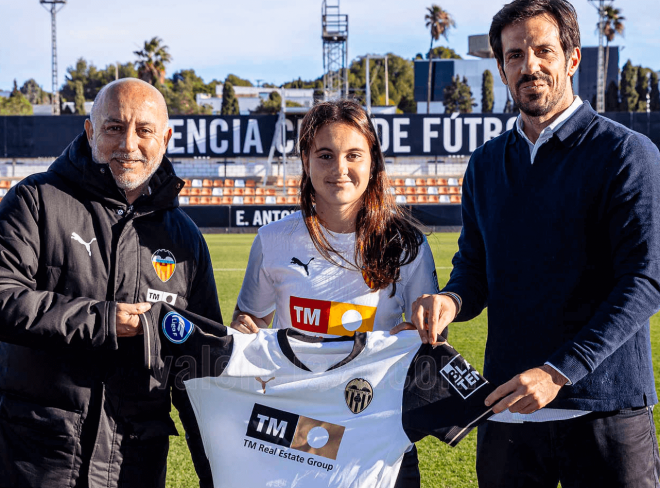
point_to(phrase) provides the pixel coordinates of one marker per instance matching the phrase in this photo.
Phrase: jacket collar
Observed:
(76, 165)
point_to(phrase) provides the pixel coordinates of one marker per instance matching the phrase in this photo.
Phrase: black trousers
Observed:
(409, 473)
(599, 450)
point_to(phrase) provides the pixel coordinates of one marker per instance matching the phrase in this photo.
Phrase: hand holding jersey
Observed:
(251, 396)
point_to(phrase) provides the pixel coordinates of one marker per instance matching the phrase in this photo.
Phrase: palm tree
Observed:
(613, 26)
(438, 21)
(151, 61)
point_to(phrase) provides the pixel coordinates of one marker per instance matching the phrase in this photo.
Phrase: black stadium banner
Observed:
(220, 137)
(255, 216)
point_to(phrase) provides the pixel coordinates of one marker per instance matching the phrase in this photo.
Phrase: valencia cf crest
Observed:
(358, 393)
(164, 264)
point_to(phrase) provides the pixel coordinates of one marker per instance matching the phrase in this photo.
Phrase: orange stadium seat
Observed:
(249, 192)
(259, 191)
(454, 190)
(259, 200)
(422, 199)
(250, 183)
(271, 192)
(218, 182)
(195, 192)
(5, 184)
(399, 191)
(226, 200)
(229, 182)
(292, 200)
(187, 182)
(280, 182)
(216, 200)
(185, 192)
(455, 199)
(239, 192)
(399, 182)
(291, 191)
(290, 182)
(421, 190)
(430, 181)
(194, 201)
(443, 190)
(410, 190)
(441, 182)
(411, 199)
(207, 183)
(207, 192)
(227, 192)
(248, 200)
(205, 201)
(280, 200)
(434, 199)
(420, 182)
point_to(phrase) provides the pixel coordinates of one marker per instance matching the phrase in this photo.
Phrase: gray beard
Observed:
(122, 179)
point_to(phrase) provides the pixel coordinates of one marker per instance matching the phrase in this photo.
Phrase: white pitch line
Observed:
(243, 269)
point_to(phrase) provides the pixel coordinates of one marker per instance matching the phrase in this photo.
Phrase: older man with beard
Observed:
(84, 248)
(561, 240)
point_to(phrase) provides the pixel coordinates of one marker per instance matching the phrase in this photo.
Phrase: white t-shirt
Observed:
(286, 273)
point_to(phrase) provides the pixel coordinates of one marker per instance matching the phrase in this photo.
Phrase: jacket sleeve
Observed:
(34, 318)
(468, 276)
(631, 218)
(203, 302)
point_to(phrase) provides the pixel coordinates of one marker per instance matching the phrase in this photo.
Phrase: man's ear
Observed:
(89, 129)
(574, 61)
(167, 136)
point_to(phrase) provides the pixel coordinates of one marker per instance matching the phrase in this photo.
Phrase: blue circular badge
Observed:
(176, 328)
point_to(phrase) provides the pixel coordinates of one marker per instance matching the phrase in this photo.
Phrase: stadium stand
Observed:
(280, 191)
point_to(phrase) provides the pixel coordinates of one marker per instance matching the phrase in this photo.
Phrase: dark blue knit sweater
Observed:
(566, 255)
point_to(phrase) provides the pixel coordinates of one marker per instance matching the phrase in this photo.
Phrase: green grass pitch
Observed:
(441, 466)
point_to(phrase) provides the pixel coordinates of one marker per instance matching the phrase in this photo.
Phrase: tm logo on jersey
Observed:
(463, 377)
(325, 317)
(176, 328)
(287, 429)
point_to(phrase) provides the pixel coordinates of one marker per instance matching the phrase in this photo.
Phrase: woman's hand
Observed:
(249, 324)
(431, 314)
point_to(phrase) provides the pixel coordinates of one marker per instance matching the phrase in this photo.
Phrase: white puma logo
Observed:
(77, 238)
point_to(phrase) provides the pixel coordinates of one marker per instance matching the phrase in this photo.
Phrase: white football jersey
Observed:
(286, 273)
(283, 409)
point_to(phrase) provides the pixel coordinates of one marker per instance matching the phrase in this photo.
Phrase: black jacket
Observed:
(78, 407)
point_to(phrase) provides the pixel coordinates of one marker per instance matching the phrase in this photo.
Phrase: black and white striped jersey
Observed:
(283, 409)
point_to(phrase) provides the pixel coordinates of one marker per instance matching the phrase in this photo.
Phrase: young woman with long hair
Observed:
(350, 259)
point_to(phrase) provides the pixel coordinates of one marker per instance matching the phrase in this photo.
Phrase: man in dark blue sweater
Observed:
(561, 240)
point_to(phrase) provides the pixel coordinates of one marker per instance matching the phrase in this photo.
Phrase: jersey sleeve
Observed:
(443, 396)
(257, 295)
(420, 278)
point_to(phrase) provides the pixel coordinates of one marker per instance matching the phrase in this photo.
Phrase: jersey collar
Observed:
(359, 343)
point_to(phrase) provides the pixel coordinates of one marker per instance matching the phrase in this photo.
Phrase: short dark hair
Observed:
(561, 11)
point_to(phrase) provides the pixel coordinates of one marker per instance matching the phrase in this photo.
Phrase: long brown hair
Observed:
(386, 236)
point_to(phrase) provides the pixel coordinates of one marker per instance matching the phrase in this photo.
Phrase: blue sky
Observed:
(274, 41)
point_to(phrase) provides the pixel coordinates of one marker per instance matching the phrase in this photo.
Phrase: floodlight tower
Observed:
(335, 51)
(54, 6)
(601, 75)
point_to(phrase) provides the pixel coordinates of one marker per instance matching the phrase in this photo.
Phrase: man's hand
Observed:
(528, 391)
(431, 314)
(128, 323)
(244, 323)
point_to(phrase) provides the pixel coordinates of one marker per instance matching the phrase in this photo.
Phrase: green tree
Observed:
(487, 95)
(299, 83)
(93, 79)
(401, 80)
(80, 99)
(179, 94)
(655, 92)
(612, 98)
(628, 93)
(613, 26)
(15, 104)
(271, 106)
(229, 100)
(441, 52)
(33, 92)
(438, 21)
(458, 96)
(236, 81)
(152, 59)
(642, 87)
